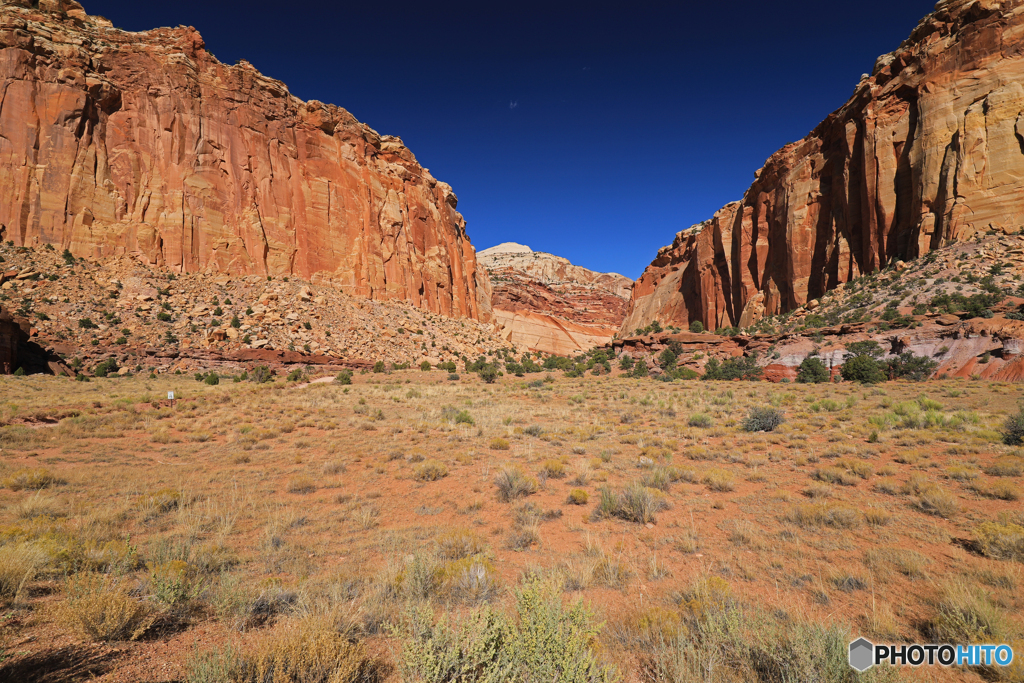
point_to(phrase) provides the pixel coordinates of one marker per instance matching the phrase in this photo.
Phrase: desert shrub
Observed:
(697, 327)
(762, 420)
(212, 379)
(513, 484)
(457, 416)
(103, 608)
(700, 420)
(639, 369)
(467, 580)
(1002, 541)
(488, 374)
(553, 468)
(1006, 467)
(379, 366)
(459, 544)
(107, 367)
(824, 514)
(261, 374)
(312, 649)
(908, 366)
(430, 470)
(500, 444)
(835, 475)
(174, 583)
(578, 497)
(638, 503)
(937, 501)
(862, 368)
(543, 641)
(1003, 490)
(965, 614)
(300, 484)
(812, 370)
(19, 563)
(425, 366)
(719, 480)
(30, 478)
(747, 644)
(742, 368)
(877, 517)
(1013, 428)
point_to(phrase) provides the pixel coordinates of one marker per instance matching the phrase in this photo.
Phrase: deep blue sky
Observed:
(594, 130)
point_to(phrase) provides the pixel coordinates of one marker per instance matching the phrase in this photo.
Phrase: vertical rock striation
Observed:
(116, 143)
(929, 150)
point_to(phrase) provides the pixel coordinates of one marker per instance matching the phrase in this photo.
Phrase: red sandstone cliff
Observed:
(117, 143)
(929, 150)
(546, 303)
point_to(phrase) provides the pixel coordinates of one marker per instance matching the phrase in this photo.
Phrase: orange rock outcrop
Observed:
(116, 143)
(929, 150)
(545, 303)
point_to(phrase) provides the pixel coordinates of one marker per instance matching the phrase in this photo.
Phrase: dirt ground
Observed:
(861, 511)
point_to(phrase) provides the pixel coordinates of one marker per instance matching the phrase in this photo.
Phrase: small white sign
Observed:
(170, 395)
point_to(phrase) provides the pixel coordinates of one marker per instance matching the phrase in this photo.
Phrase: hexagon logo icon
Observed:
(862, 654)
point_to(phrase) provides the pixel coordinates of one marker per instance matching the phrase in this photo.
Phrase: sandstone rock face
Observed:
(545, 303)
(929, 150)
(143, 144)
(978, 347)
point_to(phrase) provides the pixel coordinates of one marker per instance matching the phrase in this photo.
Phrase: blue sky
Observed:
(595, 130)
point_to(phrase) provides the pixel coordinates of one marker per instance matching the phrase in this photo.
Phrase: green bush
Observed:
(489, 374)
(625, 362)
(344, 377)
(87, 324)
(762, 420)
(212, 379)
(700, 420)
(379, 366)
(667, 360)
(639, 369)
(261, 374)
(697, 327)
(908, 366)
(1013, 428)
(543, 641)
(742, 368)
(425, 366)
(812, 371)
(513, 484)
(862, 368)
(105, 368)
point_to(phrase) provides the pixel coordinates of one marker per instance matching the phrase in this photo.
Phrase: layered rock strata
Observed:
(545, 303)
(115, 143)
(929, 150)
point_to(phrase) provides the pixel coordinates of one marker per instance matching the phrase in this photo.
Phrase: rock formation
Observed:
(929, 150)
(546, 303)
(115, 143)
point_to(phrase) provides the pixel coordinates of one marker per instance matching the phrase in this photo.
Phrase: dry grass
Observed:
(189, 528)
(34, 478)
(103, 608)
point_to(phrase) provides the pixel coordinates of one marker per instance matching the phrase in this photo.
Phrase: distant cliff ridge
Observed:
(929, 150)
(118, 143)
(546, 303)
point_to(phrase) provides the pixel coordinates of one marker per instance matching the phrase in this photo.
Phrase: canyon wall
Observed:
(115, 143)
(929, 150)
(545, 303)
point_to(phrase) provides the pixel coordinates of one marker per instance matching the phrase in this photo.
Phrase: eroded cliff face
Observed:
(545, 303)
(928, 151)
(115, 143)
